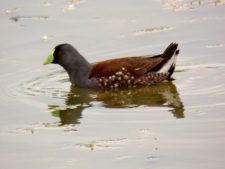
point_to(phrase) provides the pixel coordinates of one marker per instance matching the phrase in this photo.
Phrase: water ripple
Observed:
(54, 84)
(165, 95)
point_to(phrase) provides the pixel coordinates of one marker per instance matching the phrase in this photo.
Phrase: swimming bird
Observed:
(115, 73)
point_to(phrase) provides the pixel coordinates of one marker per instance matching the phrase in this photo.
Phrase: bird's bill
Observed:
(49, 59)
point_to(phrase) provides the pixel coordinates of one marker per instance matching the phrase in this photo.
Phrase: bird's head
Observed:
(69, 58)
(60, 53)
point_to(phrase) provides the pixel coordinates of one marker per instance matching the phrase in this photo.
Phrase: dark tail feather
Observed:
(168, 53)
(171, 70)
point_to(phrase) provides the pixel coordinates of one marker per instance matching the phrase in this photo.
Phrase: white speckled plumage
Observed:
(123, 78)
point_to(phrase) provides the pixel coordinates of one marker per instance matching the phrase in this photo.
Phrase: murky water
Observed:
(46, 123)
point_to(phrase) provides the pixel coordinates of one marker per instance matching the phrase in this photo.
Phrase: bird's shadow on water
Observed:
(160, 95)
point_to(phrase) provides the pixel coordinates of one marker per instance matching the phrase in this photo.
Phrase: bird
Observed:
(115, 73)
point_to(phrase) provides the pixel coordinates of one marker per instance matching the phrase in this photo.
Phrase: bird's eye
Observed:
(60, 53)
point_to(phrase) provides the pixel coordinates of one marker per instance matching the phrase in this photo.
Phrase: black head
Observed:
(71, 60)
(59, 51)
(63, 53)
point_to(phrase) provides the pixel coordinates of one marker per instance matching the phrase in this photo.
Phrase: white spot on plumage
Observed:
(119, 73)
(126, 77)
(116, 85)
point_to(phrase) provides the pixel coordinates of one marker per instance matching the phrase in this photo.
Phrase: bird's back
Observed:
(132, 71)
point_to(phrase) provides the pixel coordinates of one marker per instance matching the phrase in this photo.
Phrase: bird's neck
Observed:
(79, 70)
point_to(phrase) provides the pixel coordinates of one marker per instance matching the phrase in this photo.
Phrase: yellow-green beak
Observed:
(49, 59)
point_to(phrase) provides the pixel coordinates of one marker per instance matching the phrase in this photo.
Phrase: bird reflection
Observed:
(160, 95)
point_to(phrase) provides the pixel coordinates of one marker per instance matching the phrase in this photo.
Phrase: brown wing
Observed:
(136, 66)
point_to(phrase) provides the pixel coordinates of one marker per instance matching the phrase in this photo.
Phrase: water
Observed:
(46, 123)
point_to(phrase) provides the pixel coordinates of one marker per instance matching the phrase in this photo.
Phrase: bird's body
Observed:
(114, 73)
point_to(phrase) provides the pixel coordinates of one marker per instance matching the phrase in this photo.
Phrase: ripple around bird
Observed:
(190, 82)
